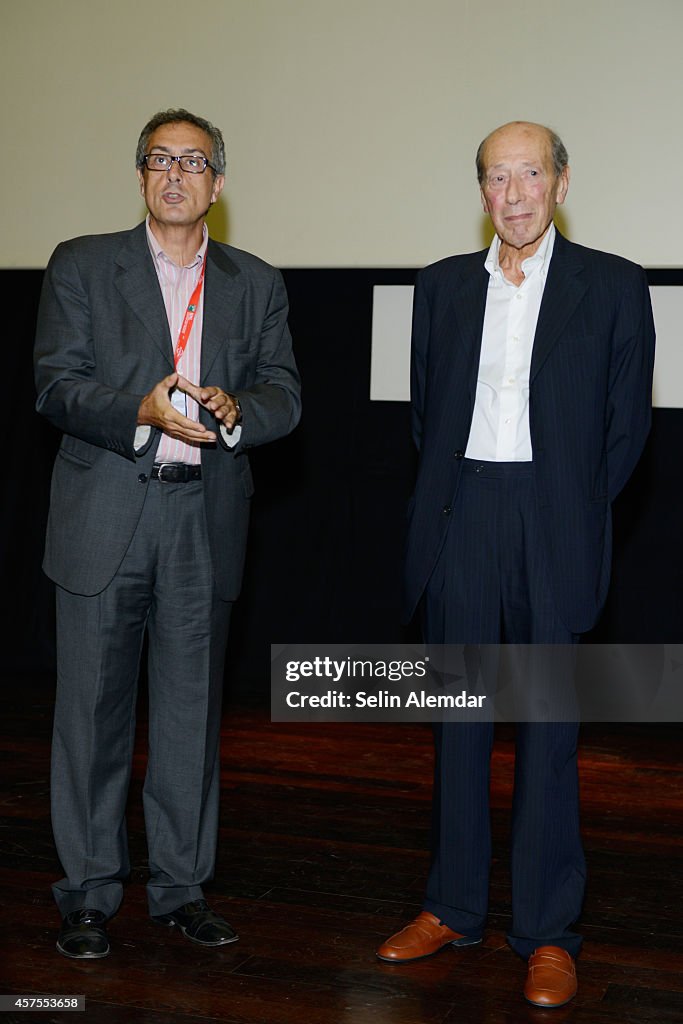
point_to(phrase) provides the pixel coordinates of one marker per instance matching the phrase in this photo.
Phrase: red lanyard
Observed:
(188, 319)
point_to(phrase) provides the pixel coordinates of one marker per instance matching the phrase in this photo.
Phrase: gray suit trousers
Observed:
(165, 584)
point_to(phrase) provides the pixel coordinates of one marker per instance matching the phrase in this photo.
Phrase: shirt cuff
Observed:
(141, 437)
(232, 437)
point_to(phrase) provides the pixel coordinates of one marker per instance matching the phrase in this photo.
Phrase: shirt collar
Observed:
(158, 253)
(539, 261)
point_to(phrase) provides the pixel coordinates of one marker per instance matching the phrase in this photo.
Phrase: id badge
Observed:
(179, 401)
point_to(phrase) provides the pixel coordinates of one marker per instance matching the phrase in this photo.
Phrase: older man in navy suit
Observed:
(162, 357)
(531, 390)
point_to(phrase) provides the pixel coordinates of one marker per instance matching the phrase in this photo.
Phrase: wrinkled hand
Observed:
(217, 401)
(156, 410)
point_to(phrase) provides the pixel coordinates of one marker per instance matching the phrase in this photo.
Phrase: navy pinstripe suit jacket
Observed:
(589, 410)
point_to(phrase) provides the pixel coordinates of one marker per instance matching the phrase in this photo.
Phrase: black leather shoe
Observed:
(200, 924)
(83, 935)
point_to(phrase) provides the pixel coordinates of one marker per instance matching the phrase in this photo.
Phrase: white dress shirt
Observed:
(500, 424)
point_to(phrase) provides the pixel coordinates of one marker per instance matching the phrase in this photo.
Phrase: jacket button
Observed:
(458, 454)
(142, 478)
(447, 509)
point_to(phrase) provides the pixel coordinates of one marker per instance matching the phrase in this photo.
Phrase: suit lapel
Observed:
(223, 294)
(138, 284)
(469, 304)
(564, 289)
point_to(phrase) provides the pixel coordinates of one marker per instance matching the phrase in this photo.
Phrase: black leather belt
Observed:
(176, 473)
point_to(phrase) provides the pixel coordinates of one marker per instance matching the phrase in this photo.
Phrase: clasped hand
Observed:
(156, 409)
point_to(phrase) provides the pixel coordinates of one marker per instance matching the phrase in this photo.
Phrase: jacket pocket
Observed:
(76, 460)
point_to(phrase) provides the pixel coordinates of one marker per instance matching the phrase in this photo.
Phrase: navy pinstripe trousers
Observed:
(490, 586)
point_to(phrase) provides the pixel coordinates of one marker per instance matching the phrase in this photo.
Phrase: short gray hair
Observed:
(181, 116)
(558, 150)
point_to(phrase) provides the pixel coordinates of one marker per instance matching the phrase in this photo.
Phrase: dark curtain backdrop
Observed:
(325, 547)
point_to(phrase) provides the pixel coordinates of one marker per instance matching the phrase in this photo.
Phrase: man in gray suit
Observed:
(162, 356)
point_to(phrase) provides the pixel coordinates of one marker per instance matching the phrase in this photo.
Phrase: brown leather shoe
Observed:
(551, 980)
(422, 937)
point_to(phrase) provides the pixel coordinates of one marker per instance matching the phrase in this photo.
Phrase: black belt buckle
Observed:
(176, 472)
(169, 468)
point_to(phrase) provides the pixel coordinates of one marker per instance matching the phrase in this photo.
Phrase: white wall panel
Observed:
(391, 323)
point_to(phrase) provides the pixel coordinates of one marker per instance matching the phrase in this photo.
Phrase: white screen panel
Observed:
(391, 322)
(392, 309)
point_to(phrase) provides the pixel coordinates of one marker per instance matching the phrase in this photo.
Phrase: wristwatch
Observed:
(238, 406)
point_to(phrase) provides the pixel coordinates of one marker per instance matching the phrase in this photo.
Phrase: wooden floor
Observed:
(323, 853)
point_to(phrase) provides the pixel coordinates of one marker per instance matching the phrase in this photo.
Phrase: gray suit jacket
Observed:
(102, 343)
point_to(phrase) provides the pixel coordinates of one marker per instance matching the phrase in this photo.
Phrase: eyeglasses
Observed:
(187, 164)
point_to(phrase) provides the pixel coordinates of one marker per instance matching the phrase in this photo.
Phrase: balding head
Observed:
(557, 149)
